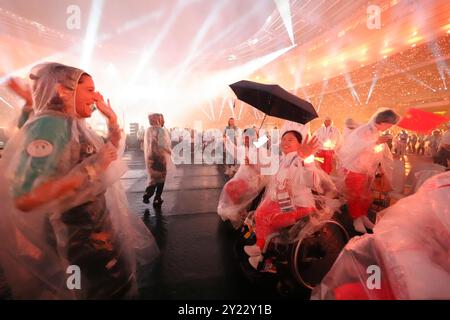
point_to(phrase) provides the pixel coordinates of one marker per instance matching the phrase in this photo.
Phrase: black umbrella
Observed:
(274, 101)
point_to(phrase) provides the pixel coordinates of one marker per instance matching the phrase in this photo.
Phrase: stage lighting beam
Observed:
(90, 39)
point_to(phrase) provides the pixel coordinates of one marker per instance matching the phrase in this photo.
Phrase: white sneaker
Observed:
(252, 250)
(359, 225)
(254, 261)
(367, 223)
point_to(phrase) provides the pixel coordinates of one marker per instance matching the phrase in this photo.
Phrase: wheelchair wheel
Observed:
(313, 255)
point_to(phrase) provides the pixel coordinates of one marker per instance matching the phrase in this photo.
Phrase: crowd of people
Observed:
(62, 205)
(363, 161)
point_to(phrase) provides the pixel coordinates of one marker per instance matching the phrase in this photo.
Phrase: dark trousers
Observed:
(150, 190)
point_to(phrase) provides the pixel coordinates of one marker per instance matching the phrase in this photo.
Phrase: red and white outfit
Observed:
(328, 138)
(288, 197)
(360, 157)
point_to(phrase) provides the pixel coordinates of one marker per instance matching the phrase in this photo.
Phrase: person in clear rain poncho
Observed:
(62, 206)
(289, 193)
(245, 186)
(350, 125)
(157, 153)
(406, 257)
(362, 156)
(232, 133)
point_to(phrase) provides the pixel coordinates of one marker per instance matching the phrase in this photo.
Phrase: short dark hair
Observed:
(387, 116)
(297, 135)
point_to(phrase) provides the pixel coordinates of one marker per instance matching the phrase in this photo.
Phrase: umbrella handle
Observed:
(265, 115)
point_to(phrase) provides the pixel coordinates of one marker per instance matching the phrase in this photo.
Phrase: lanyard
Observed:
(282, 173)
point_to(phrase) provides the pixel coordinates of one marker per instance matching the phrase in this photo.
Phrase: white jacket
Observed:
(301, 178)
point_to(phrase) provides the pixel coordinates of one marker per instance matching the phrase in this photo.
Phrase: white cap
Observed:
(294, 126)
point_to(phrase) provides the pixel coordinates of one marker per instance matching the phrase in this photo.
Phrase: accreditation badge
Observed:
(39, 148)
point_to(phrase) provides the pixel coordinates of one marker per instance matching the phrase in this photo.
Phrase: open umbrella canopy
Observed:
(421, 121)
(274, 101)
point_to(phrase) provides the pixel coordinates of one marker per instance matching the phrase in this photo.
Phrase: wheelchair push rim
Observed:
(314, 254)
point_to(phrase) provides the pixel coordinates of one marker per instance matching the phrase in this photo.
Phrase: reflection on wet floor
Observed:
(197, 258)
(198, 255)
(157, 224)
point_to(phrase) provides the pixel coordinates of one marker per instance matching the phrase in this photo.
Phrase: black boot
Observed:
(158, 201)
(159, 190)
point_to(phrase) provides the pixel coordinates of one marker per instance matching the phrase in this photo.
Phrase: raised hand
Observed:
(105, 108)
(25, 94)
(308, 147)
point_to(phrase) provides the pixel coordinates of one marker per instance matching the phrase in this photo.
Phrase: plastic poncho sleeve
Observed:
(147, 145)
(239, 192)
(164, 140)
(409, 247)
(43, 152)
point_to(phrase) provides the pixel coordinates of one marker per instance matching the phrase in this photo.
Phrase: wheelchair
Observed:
(299, 255)
(380, 194)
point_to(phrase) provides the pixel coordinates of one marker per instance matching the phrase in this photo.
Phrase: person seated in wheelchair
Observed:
(289, 196)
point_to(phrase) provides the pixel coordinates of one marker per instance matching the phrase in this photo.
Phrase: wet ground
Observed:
(198, 256)
(198, 259)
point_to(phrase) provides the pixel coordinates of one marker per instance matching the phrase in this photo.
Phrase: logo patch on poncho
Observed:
(39, 148)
